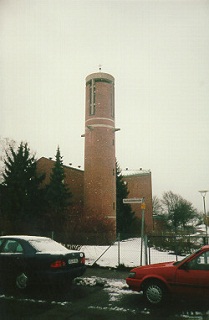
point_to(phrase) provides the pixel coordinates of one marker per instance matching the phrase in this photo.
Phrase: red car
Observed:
(186, 278)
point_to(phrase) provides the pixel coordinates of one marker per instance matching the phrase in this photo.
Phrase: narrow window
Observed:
(112, 103)
(92, 97)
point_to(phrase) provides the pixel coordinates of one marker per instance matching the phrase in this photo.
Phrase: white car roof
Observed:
(25, 237)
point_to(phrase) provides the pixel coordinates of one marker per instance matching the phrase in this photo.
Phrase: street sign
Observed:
(133, 200)
(206, 220)
(143, 206)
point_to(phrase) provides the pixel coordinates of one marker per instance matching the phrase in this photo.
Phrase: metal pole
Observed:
(206, 227)
(139, 200)
(142, 229)
(118, 249)
(203, 194)
(145, 249)
(142, 236)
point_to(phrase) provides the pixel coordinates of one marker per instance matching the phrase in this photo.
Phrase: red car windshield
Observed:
(189, 255)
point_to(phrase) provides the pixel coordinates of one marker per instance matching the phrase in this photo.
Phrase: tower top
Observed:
(100, 75)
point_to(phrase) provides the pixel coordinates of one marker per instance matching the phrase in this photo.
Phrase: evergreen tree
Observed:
(57, 195)
(124, 215)
(21, 197)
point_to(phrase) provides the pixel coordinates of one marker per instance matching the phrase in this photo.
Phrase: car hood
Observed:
(155, 266)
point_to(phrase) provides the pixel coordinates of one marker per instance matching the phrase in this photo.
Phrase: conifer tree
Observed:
(57, 195)
(21, 198)
(124, 215)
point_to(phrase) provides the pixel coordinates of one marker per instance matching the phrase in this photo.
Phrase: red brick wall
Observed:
(139, 185)
(74, 179)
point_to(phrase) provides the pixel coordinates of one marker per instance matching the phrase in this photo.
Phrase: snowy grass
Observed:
(127, 253)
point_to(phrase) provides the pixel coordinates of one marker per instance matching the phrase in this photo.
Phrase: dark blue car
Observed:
(27, 260)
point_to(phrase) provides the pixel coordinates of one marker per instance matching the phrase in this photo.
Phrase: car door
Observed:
(11, 258)
(1, 260)
(192, 278)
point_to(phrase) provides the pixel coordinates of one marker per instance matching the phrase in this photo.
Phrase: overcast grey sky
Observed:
(158, 52)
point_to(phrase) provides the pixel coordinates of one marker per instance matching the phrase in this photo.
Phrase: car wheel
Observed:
(22, 281)
(155, 292)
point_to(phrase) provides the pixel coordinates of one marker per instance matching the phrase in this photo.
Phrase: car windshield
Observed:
(180, 261)
(47, 246)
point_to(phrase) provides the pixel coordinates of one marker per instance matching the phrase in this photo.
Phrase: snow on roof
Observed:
(25, 237)
(132, 172)
(42, 244)
(47, 245)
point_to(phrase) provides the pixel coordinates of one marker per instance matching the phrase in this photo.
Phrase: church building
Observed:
(94, 189)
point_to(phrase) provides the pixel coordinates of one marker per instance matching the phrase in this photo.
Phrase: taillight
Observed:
(58, 264)
(83, 260)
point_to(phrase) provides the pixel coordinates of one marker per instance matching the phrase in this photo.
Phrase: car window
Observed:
(12, 246)
(200, 263)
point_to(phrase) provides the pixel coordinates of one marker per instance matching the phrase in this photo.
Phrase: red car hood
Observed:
(156, 265)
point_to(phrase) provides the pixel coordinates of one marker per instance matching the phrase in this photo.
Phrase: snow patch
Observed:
(114, 287)
(130, 251)
(117, 288)
(109, 308)
(91, 282)
(62, 303)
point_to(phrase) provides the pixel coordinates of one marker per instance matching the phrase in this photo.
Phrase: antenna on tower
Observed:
(100, 67)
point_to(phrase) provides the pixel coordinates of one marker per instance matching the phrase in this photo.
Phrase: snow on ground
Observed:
(116, 288)
(127, 252)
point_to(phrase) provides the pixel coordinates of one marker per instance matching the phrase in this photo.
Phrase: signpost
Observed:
(133, 200)
(143, 206)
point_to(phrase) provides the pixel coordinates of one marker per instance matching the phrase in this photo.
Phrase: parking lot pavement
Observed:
(108, 273)
(101, 293)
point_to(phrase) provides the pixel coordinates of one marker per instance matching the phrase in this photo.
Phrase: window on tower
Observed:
(92, 97)
(112, 103)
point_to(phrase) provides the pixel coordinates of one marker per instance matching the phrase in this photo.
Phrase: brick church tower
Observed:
(99, 163)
